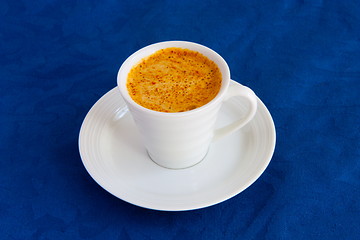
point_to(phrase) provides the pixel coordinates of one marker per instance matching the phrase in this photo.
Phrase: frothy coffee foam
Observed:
(174, 80)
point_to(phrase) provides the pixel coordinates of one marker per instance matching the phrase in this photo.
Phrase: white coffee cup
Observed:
(181, 140)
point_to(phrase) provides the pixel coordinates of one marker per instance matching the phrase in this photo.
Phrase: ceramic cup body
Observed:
(181, 140)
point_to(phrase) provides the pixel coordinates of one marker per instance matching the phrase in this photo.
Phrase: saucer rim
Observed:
(156, 206)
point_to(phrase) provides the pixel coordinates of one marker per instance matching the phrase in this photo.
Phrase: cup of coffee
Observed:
(174, 91)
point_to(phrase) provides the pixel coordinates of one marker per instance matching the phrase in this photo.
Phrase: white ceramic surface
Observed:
(180, 140)
(112, 153)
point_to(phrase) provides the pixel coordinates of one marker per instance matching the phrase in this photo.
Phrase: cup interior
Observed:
(136, 57)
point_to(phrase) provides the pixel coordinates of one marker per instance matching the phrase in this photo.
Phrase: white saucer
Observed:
(112, 153)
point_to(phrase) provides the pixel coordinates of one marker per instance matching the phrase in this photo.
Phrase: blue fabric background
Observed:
(302, 58)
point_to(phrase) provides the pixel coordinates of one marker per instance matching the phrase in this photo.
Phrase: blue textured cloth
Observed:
(302, 58)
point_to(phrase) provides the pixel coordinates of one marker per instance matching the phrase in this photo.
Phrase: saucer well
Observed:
(112, 153)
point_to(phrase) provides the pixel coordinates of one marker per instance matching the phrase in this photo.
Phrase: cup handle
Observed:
(237, 90)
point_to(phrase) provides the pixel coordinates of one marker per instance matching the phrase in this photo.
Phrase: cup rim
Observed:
(150, 49)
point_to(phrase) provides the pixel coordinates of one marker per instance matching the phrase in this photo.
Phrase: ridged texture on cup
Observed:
(175, 141)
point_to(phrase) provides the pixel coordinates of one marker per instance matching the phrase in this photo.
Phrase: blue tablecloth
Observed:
(302, 58)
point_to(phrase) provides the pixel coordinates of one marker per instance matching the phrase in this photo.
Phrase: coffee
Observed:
(174, 80)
